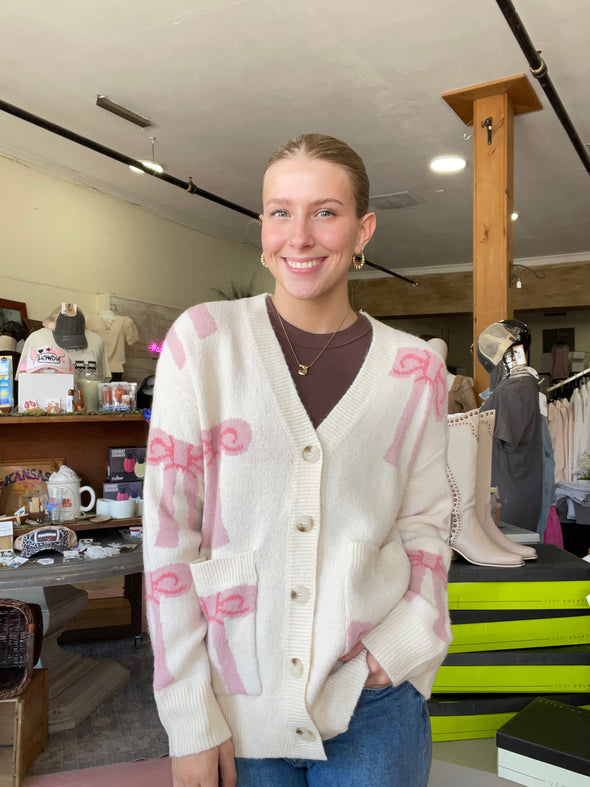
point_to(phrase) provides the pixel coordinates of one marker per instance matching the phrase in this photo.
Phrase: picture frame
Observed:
(12, 311)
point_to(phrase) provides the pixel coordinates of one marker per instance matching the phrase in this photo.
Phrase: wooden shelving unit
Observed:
(82, 440)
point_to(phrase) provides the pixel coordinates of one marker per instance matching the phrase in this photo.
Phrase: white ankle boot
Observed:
(466, 535)
(482, 490)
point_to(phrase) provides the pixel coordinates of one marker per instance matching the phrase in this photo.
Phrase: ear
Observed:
(367, 228)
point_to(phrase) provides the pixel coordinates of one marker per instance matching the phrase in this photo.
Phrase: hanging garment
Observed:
(517, 458)
(560, 365)
(461, 397)
(115, 333)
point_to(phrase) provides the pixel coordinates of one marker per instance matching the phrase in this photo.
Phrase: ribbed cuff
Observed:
(404, 643)
(192, 719)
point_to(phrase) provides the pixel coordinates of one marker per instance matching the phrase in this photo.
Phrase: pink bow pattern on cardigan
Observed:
(165, 583)
(175, 456)
(233, 609)
(429, 374)
(231, 437)
(204, 325)
(422, 562)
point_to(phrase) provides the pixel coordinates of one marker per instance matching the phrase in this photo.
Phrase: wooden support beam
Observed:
(491, 108)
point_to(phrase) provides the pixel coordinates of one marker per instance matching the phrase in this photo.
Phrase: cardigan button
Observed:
(306, 735)
(296, 668)
(300, 594)
(304, 524)
(311, 453)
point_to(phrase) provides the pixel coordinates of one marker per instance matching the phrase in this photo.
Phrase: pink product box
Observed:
(126, 463)
(122, 490)
(116, 397)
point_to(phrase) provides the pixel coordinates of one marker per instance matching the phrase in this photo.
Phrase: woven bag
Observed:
(21, 634)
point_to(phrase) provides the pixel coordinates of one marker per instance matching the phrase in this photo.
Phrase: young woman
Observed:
(296, 511)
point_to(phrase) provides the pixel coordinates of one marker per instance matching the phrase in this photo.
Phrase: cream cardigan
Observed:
(272, 548)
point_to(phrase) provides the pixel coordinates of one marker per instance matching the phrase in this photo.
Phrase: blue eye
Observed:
(279, 213)
(326, 212)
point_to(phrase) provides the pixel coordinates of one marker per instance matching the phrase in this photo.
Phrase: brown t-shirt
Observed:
(335, 370)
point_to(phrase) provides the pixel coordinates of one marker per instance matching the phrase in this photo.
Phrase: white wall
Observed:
(537, 322)
(61, 241)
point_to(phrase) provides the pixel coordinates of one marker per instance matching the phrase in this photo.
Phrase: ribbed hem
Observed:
(192, 719)
(261, 729)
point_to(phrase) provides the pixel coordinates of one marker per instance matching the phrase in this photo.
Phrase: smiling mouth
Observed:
(303, 264)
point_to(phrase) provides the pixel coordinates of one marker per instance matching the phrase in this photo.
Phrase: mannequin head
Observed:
(502, 347)
(440, 347)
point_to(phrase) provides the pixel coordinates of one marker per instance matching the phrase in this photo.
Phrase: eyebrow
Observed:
(315, 203)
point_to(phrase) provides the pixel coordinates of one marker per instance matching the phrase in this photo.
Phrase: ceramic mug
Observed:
(103, 506)
(122, 509)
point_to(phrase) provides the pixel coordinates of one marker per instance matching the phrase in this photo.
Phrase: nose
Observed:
(301, 236)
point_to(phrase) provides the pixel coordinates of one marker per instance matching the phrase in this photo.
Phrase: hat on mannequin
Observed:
(69, 328)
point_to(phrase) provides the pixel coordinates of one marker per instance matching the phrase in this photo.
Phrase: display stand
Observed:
(76, 685)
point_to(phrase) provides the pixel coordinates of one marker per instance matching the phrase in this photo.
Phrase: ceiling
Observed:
(224, 82)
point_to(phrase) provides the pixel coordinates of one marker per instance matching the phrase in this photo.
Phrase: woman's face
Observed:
(310, 229)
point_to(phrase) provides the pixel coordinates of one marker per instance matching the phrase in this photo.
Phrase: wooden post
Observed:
(491, 108)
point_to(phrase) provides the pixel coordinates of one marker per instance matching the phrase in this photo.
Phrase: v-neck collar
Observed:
(348, 410)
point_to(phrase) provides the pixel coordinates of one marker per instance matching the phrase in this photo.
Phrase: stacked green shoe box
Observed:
(518, 633)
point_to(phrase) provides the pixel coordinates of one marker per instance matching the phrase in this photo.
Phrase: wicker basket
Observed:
(21, 634)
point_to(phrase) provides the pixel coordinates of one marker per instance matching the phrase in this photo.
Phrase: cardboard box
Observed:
(456, 717)
(475, 630)
(122, 490)
(556, 580)
(41, 390)
(117, 397)
(126, 463)
(23, 729)
(535, 671)
(546, 743)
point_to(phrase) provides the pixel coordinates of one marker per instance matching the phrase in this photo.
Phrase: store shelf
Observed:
(82, 525)
(23, 418)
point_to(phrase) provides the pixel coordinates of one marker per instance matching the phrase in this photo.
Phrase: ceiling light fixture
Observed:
(121, 111)
(153, 164)
(514, 216)
(448, 164)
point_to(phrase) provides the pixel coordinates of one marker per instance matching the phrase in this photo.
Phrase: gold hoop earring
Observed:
(358, 260)
(262, 262)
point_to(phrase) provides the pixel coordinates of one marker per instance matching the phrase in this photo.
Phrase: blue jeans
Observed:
(388, 744)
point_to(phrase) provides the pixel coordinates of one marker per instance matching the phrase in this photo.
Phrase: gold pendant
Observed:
(302, 369)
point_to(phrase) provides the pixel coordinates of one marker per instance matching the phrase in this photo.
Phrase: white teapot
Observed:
(65, 491)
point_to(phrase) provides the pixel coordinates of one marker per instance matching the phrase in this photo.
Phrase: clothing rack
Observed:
(568, 380)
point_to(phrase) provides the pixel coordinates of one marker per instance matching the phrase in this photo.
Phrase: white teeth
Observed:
(310, 264)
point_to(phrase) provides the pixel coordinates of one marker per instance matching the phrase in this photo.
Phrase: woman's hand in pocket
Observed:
(377, 675)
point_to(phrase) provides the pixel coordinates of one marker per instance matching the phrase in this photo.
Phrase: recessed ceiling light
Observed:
(447, 164)
(514, 216)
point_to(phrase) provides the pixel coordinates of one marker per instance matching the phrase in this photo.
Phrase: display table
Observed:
(76, 685)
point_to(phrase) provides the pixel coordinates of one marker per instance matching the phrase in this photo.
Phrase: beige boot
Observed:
(482, 490)
(466, 535)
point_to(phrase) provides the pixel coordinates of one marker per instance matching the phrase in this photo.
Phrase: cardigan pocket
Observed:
(227, 590)
(377, 580)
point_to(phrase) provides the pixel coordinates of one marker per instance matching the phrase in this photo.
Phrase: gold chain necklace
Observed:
(302, 369)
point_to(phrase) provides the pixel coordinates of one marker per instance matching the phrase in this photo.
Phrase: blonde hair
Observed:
(325, 148)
